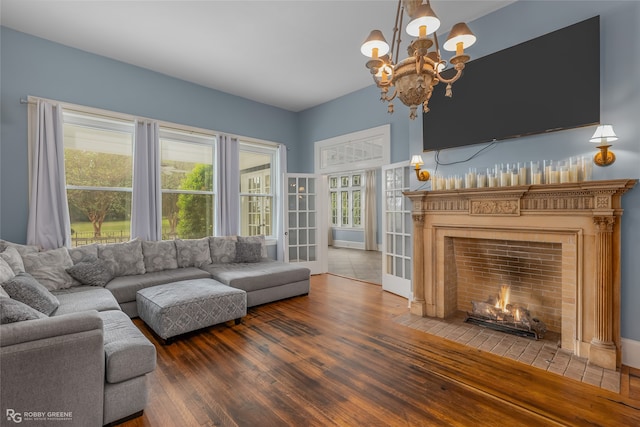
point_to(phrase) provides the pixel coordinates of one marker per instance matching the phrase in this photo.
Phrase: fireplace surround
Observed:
(580, 220)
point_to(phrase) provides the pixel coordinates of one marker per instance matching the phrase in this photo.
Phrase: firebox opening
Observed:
(485, 272)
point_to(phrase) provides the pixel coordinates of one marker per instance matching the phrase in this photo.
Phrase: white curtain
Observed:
(370, 218)
(146, 216)
(228, 184)
(280, 186)
(48, 223)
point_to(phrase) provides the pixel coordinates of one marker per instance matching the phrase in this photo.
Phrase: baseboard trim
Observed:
(631, 353)
(348, 244)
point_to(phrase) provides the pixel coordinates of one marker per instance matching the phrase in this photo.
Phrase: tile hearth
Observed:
(543, 354)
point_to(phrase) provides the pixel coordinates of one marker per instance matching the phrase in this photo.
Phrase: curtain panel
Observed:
(48, 225)
(146, 208)
(228, 186)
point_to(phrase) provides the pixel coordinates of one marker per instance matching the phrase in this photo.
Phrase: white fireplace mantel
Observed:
(584, 217)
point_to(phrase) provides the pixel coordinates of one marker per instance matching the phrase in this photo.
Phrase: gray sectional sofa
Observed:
(77, 352)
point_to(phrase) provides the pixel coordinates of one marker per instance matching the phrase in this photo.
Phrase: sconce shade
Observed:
(604, 134)
(416, 160)
(460, 33)
(375, 41)
(424, 16)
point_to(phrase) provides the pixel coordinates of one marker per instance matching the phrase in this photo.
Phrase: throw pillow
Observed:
(248, 252)
(193, 252)
(125, 259)
(93, 273)
(84, 253)
(256, 239)
(22, 249)
(12, 311)
(3, 293)
(49, 268)
(6, 272)
(159, 256)
(26, 289)
(13, 258)
(223, 249)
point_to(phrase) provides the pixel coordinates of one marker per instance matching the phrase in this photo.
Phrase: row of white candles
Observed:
(575, 169)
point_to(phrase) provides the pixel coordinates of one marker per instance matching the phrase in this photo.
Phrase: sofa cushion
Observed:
(22, 249)
(84, 253)
(124, 288)
(3, 293)
(159, 256)
(27, 290)
(83, 298)
(49, 268)
(193, 252)
(128, 353)
(223, 249)
(255, 239)
(96, 272)
(125, 259)
(12, 311)
(258, 275)
(248, 252)
(13, 258)
(6, 272)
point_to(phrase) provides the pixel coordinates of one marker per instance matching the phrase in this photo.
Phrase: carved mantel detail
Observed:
(584, 217)
(495, 207)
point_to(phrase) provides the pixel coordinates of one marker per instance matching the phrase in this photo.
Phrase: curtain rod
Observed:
(99, 111)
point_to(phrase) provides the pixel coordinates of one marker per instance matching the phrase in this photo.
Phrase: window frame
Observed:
(270, 210)
(342, 219)
(181, 136)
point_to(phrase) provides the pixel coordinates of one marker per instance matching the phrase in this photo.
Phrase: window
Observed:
(187, 179)
(99, 174)
(345, 195)
(256, 189)
(99, 149)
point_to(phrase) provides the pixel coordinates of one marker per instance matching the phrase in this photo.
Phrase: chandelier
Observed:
(414, 77)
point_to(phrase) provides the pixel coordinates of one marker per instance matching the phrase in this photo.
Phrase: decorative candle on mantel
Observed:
(536, 174)
(481, 180)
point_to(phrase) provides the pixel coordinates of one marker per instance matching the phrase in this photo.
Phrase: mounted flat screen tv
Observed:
(543, 85)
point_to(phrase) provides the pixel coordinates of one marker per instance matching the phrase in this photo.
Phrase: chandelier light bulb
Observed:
(460, 38)
(375, 45)
(424, 17)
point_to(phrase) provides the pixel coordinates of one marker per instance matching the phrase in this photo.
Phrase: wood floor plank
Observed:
(337, 358)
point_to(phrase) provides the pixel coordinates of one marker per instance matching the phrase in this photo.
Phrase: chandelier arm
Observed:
(395, 92)
(459, 67)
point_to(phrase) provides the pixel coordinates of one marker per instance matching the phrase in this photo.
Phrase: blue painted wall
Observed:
(37, 67)
(32, 66)
(521, 21)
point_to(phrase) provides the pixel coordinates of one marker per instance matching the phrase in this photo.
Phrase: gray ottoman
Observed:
(179, 307)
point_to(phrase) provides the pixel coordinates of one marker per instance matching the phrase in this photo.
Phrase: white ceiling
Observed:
(289, 54)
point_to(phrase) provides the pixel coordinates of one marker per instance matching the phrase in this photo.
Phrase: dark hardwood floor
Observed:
(335, 357)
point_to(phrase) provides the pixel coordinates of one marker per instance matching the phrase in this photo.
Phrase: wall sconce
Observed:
(603, 135)
(416, 160)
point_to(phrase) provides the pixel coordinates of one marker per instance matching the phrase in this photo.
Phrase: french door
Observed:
(306, 221)
(396, 230)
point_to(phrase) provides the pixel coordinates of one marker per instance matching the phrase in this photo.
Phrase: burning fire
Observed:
(510, 316)
(503, 298)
